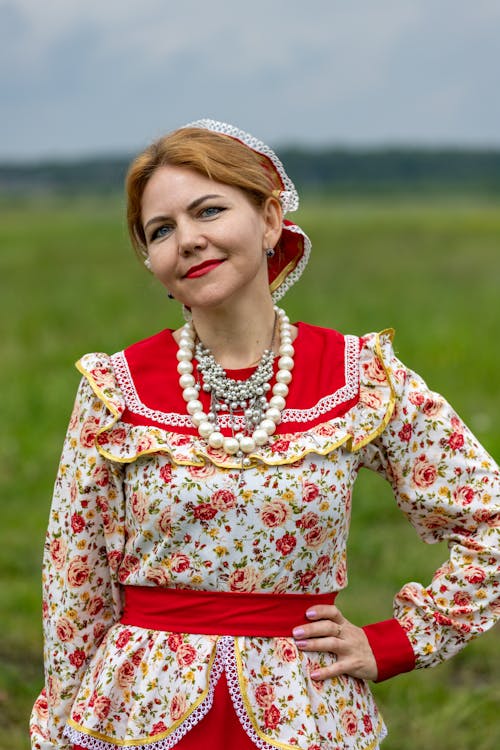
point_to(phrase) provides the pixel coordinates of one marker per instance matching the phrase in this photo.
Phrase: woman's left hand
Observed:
(330, 631)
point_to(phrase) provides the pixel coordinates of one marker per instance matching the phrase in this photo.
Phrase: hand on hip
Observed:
(329, 631)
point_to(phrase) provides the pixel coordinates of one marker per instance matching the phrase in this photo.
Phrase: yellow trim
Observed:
(248, 707)
(390, 409)
(251, 715)
(257, 458)
(100, 394)
(148, 452)
(98, 391)
(152, 738)
(277, 282)
(116, 415)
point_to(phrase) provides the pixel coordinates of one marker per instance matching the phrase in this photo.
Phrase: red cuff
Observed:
(391, 648)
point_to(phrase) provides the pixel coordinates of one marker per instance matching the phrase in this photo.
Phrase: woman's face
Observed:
(206, 240)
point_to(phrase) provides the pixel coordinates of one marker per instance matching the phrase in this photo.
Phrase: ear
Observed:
(273, 220)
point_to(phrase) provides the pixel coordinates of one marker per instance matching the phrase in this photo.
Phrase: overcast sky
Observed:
(82, 77)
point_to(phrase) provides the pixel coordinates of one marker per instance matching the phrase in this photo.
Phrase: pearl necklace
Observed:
(240, 396)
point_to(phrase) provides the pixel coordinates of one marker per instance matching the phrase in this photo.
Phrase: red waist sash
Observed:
(217, 612)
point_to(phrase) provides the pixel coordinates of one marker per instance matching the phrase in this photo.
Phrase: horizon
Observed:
(368, 147)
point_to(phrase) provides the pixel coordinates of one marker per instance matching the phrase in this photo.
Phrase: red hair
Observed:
(219, 157)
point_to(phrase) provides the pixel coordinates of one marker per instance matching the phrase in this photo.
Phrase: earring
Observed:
(147, 263)
(170, 295)
(270, 252)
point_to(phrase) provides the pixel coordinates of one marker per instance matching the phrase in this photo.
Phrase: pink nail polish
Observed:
(297, 632)
(311, 613)
(314, 675)
(301, 644)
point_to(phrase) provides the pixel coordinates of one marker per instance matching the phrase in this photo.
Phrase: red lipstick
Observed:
(203, 268)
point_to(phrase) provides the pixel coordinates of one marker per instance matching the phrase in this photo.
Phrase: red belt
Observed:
(217, 612)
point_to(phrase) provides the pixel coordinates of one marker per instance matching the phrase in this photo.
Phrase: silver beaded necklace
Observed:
(234, 396)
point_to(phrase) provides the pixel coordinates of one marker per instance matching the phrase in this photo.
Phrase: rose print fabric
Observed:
(448, 487)
(141, 501)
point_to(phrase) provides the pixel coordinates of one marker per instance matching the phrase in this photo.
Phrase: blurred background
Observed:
(387, 116)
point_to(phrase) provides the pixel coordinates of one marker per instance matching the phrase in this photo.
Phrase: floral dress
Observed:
(140, 499)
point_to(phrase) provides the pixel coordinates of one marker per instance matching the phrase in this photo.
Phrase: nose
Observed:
(189, 237)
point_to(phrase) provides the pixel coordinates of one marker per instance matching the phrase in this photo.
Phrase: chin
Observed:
(210, 299)
(218, 294)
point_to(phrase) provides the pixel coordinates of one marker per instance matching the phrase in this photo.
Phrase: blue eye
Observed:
(161, 232)
(211, 211)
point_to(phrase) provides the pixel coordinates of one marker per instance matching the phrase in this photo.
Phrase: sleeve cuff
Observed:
(391, 648)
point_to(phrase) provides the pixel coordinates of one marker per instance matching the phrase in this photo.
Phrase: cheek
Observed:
(162, 263)
(251, 244)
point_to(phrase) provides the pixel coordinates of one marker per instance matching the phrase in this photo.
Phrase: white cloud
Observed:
(107, 74)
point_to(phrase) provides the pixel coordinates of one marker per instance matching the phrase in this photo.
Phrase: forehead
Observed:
(174, 188)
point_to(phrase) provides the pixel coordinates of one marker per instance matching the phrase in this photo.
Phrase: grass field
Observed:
(70, 284)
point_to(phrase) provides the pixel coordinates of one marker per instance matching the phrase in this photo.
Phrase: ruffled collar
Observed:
(342, 395)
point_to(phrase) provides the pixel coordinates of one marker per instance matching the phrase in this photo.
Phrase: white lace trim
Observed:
(92, 743)
(297, 272)
(225, 660)
(233, 685)
(173, 419)
(289, 197)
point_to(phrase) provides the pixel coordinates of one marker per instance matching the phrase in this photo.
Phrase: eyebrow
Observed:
(191, 206)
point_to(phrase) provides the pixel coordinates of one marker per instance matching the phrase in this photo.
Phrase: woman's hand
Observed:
(330, 631)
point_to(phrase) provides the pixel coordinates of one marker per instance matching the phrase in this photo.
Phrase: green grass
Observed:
(71, 284)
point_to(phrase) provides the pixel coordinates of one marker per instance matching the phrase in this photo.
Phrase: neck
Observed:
(238, 336)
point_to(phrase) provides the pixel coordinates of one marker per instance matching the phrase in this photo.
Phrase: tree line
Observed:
(322, 169)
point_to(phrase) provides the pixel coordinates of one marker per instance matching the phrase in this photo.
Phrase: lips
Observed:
(202, 268)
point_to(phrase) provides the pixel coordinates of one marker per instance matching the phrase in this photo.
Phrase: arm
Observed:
(449, 488)
(81, 597)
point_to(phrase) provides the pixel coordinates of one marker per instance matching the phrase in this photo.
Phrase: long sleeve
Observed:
(83, 547)
(448, 487)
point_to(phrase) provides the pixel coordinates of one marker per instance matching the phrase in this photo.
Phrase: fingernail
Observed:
(298, 632)
(301, 644)
(314, 675)
(311, 613)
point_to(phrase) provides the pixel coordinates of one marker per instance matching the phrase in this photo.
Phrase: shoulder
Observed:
(102, 371)
(318, 336)
(140, 353)
(331, 352)
(329, 342)
(322, 335)
(149, 349)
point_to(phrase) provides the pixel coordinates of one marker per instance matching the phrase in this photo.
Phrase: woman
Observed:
(197, 538)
